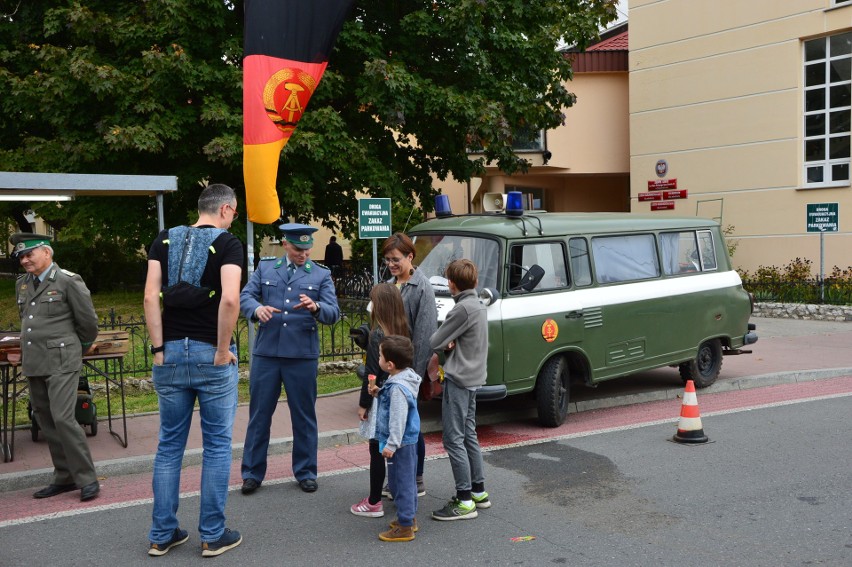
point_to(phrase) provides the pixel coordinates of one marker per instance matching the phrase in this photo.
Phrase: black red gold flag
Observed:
(287, 44)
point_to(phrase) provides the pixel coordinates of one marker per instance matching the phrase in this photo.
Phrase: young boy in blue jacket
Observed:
(463, 336)
(397, 430)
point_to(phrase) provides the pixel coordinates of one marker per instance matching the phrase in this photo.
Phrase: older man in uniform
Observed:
(289, 297)
(58, 324)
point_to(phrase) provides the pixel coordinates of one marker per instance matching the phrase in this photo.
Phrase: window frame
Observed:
(825, 166)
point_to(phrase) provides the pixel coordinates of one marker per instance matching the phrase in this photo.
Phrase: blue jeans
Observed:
(402, 482)
(186, 375)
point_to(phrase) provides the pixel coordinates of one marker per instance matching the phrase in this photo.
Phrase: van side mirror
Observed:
(531, 278)
(488, 295)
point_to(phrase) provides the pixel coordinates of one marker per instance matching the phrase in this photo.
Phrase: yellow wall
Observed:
(588, 169)
(716, 91)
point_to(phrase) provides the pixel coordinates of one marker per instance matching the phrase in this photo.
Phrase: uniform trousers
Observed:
(54, 401)
(299, 376)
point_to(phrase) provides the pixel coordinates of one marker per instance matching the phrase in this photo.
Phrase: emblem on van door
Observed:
(549, 330)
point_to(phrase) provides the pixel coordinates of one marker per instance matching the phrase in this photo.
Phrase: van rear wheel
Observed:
(552, 392)
(704, 368)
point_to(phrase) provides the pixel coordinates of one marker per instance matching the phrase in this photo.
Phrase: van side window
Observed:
(532, 259)
(581, 268)
(708, 250)
(680, 252)
(624, 258)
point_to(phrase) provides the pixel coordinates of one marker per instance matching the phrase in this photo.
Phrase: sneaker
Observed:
(229, 540)
(421, 486)
(455, 510)
(178, 537)
(398, 533)
(364, 508)
(386, 493)
(481, 501)
(414, 526)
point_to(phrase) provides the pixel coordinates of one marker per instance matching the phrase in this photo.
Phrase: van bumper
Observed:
(491, 393)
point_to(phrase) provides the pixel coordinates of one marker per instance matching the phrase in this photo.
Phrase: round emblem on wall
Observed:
(662, 168)
(549, 330)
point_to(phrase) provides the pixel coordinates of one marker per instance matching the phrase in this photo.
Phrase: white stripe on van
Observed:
(537, 304)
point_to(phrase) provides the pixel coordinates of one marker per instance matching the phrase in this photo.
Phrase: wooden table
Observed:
(108, 365)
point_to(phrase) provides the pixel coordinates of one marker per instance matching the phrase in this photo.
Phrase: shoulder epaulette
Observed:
(321, 265)
(67, 273)
(268, 258)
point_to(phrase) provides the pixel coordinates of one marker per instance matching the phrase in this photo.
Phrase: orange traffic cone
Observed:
(689, 428)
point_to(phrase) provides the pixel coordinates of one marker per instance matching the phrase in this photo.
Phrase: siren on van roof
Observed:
(512, 203)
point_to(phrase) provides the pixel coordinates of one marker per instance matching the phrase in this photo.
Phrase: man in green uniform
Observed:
(58, 324)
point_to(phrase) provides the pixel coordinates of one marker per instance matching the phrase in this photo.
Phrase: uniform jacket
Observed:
(293, 333)
(58, 322)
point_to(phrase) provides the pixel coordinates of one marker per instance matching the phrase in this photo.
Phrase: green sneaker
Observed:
(455, 510)
(481, 501)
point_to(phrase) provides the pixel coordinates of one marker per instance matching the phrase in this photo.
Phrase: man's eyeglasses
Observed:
(394, 261)
(236, 214)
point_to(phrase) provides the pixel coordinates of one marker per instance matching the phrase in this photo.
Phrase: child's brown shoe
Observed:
(414, 526)
(398, 533)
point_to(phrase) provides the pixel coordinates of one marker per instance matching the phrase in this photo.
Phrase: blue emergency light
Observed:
(442, 206)
(514, 204)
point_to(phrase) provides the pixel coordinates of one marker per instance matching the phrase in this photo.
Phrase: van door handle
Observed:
(574, 315)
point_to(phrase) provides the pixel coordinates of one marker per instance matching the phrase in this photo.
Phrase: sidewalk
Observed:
(788, 351)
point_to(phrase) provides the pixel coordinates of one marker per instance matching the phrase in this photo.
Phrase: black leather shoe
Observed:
(54, 489)
(90, 491)
(308, 485)
(250, 485)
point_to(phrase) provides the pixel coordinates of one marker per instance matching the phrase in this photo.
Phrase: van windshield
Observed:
(436, 251)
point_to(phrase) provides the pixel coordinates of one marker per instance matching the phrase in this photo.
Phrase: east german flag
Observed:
(287, 43)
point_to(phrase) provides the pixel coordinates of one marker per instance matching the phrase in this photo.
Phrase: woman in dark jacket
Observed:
(420, 308)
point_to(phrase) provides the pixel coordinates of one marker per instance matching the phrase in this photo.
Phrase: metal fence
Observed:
(829, 291)
(335, 343)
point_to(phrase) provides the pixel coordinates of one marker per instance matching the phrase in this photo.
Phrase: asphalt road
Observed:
(771, 489)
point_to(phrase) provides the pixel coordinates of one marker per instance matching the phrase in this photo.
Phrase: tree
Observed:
(153, 87)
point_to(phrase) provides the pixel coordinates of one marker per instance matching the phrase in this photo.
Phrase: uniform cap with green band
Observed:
(26, 241)
(299, 235)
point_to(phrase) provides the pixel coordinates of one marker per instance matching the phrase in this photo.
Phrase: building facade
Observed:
(748, 106)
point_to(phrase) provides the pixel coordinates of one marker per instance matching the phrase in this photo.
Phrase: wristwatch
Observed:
(155, 350)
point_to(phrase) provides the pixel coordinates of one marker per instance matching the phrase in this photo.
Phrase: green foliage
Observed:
(794, 284)
(730, 243)
(103, 264)
(154, 87)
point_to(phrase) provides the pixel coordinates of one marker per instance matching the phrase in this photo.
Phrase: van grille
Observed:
(593, 317)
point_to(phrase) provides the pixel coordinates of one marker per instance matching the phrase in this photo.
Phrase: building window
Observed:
(841, 2)
(533, 198)
(526, 140)
(828, 110)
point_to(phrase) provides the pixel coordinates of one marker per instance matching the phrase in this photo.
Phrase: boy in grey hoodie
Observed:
(397, 430)
(464, 338)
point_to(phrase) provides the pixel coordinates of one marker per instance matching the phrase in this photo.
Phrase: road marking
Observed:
(346, 470)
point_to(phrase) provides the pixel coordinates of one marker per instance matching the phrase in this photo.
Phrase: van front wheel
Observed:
(552, 390)
(704, 369)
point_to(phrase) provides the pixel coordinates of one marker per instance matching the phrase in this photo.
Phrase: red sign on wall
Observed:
(676, 194)
(650, 197)
(657, 184)
(662, 205)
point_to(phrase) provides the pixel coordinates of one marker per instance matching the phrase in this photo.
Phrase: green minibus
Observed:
(586, 297)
